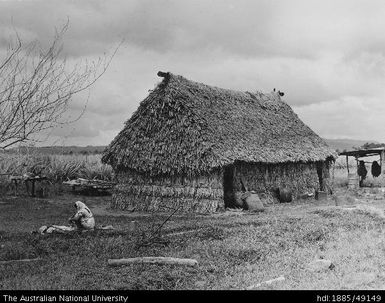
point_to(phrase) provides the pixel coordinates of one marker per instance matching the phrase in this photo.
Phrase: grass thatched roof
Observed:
(185, 127)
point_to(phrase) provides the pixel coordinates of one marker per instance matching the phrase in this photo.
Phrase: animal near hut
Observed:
(197, 147)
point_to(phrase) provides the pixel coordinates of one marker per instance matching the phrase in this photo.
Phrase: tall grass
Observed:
(57, 168)
(340, 178)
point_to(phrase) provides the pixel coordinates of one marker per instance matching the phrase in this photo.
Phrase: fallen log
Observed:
(20, 260)
(269, 282)
(153, 260)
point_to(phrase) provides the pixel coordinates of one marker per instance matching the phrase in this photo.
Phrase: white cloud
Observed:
(350, 117)
(327, 56)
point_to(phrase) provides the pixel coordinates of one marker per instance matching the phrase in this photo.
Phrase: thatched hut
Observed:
(196, 146)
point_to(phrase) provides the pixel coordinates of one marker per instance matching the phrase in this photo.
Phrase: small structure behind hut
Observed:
(197, 147)
(356, 176)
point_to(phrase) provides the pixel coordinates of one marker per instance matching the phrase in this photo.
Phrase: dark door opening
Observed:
(320, 175)
(228, 186)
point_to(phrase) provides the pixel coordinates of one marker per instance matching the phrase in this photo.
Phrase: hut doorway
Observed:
(320, 176)
(228, 186)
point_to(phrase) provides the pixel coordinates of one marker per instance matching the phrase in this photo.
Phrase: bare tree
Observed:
(36, 86)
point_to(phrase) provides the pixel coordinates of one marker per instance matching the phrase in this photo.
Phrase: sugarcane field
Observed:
(192, 146)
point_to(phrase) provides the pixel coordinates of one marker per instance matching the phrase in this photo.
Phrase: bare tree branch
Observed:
(36, 86)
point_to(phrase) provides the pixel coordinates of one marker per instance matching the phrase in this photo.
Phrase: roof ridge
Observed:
(184, 126)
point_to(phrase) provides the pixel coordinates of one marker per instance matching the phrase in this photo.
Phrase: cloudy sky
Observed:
(327, 56)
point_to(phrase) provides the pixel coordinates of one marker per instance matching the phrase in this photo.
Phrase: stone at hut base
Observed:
(254, 204)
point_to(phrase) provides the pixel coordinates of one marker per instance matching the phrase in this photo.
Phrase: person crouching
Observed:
(83, 218)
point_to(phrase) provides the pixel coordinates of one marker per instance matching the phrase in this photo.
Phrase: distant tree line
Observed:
(58, 150)
(369, 145)
(82, 152)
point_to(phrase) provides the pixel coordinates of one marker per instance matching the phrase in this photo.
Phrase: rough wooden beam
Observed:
(162, 74)
(347, 163)
(153, 260)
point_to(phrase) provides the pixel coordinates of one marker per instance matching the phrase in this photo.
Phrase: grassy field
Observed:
(234, 249)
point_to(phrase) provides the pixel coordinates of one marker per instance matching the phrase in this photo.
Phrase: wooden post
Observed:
(382, 157)
(347, 163)
(359, 177)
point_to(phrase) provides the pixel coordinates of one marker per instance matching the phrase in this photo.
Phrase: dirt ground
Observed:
(234, 249)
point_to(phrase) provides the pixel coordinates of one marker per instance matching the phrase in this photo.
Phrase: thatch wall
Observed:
(141, 192)
(265, 178)
(205, 193)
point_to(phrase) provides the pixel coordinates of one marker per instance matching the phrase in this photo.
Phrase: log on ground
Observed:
(153, 260)
(20, 261)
